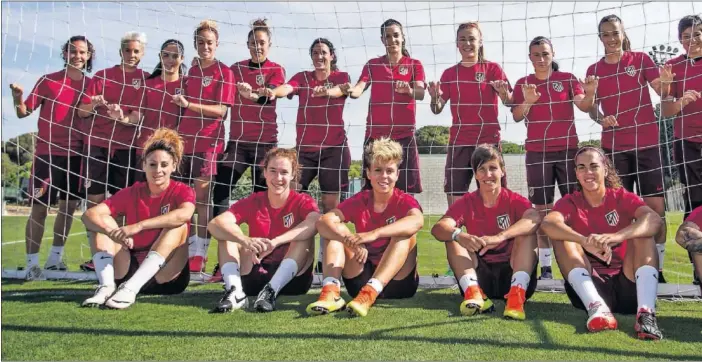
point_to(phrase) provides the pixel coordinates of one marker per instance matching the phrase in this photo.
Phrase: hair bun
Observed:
(208, 23)
(260, 23)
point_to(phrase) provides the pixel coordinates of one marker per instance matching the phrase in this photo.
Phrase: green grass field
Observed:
(42, 321)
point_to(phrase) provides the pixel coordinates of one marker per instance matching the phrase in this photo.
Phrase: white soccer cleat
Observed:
(35, 273)
(60, 266)
(123, 298)
(102, 293)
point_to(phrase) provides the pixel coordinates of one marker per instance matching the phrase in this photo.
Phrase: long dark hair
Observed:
(626, 44)
(332, 51)
(390, 22)
(544, 40)
(612, 179)
(91, 49)
(689, 21)
(159, 67)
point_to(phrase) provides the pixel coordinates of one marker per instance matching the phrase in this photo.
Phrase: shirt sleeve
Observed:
(457, 211)
(565, 207)
(577, 88)
(630, 202)
(419, 75)
(446, 83)
(650, 69)
(95, 87)
(37, 96)
(242, 209)
(120, 202)
(295, 83)
(696, 216)
(518, 95)
(350, 208)
(277, 77)
(365, 73)
(499, 74)
(185, 194)
(520, 205)
(307, 205)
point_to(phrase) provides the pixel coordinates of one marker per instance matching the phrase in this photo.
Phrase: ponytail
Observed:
(544, 40)
(159, 67)
(390, 22)
(626, 43)
(474, 25)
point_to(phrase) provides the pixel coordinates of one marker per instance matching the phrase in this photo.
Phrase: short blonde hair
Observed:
(382, 150)
(133, 36)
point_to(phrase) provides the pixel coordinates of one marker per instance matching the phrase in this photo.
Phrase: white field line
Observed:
(46, 238)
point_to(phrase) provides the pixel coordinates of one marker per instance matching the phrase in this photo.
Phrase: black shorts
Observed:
(175, 286)
(640, 167)
(108, 172)
(396, 289)
(409, 180)
(688, 158)
(544, 169)
(261, 274)
(495, 279)
(55, 178)
(331, 164)
(239, 156)
(197, 165)
(618, 292)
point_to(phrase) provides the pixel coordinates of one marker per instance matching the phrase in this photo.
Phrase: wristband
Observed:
(455, 234)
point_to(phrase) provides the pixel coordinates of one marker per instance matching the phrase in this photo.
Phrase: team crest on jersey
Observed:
(38, 192)
(503, 222)
(389, 220)
(178, 91)
(612, 218)
(136, 83)
(165, 209)
(630, 70)
(288, 220)
(480, 77)
(260, 80)
(403, 70)
(206, 80)
(557, 86)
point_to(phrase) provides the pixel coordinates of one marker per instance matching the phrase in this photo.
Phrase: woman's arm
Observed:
(303, 231)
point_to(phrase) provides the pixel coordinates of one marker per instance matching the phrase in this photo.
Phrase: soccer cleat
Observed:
(661, 278)
(197, 264)
(473, 301)
(600, 318)
(123, 298)
(546, 273)
(646, 326)
(102, 294)
(230, 301)
(365, 299)
(216, 275)
(60, 266)
(329, 301)
(88, 266)
(265, 302)
(35, 273)
(514, 308)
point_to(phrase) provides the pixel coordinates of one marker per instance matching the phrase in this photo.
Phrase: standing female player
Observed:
(603, 239)
(379, 260)
(689, 236)
(56, 166)
(148, 254)
(208, 94)
(545, 101)
(397, 83)
(629, 125)
(473, 87)
(495, 257)
(254, 130)
(276, 257)
(114, 94)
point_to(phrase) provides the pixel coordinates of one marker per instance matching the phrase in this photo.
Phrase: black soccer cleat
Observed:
(661, 278)
(230, 301)
(646, 326)
(265, 302)
(546, 273)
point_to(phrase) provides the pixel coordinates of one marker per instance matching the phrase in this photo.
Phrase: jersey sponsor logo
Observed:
(206, 81)
(630, 70)
(38, 192)
(479, 77)
(165, 209)
(612, 218)
(403, 70)
(260, 80)
(136, 83)
(390, 220)
(503, 222)
(288, 220)
(178, 91)
(557, 86)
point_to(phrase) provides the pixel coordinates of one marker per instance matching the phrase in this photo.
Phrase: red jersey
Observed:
(480, 220)
(213, 85)
(117, 87)
(159, 109)
(59, 125)
(264, 221)
(359, 211)
(473, 103)
(623, 93)
(696, 217)
(136, 203)
(390, 113)
(252, 121)
(550, 122)
(688, 76)
(320, 122)
(616, 212)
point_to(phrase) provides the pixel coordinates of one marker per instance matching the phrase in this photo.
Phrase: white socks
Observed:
(661, 254)
(545, 257)
(55, 256)
(198, 246)
(376, 284)
(581, 281)
(467, 280)
(331, 280)
(32, 260)
(285, 273)
(521, 279)
(232, 277)
(151, 265)
(104, 268)
(647, 287)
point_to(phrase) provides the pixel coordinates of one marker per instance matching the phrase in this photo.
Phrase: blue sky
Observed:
(32, 34)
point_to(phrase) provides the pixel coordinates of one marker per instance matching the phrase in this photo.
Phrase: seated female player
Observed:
(276, 257)
(603, 240)
(496, 256)
(379, 259)
(689, 236)
(148, 254)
